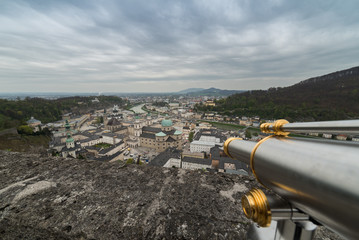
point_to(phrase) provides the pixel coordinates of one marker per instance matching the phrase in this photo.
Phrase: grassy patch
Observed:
(103, 145)
(302, 136)
(225, 126)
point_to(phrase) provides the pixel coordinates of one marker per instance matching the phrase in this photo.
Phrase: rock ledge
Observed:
(56, 198)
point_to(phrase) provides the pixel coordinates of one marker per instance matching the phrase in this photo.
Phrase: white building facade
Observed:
(201, 146)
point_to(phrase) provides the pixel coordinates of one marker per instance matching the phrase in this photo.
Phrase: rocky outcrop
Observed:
(56, 198)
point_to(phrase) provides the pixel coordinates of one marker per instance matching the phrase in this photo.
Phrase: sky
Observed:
(168, 46)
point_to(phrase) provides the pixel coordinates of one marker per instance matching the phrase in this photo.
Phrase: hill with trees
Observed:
(14, 113)
(208, 92)
(329, 97)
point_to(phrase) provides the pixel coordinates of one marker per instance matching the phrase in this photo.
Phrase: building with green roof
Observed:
(166, 123)
(161, 134)
(161, 138)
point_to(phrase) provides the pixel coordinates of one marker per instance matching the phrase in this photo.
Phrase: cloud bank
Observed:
(164, 45)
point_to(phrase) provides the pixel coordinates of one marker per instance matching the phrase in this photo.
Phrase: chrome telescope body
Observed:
(350, 127)
(318, 177)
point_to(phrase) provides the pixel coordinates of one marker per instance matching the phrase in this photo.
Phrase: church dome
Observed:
(166, 123)
(177, 132)
(69, 138)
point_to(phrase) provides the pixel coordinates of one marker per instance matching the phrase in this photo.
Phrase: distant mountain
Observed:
(190, 90)
(209, 92)
(328, 97)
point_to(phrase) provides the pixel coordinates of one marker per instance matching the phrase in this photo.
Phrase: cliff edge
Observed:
(57, 198)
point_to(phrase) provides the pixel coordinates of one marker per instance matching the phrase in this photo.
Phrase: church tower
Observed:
(70, 142)
(137, 127)
(69, 149)
(149, 120)
(105, 118)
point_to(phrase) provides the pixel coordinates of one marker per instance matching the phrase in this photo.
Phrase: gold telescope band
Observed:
(252, 157)
(265, 127)
(256, 207)
(276, 127)
(226, 143)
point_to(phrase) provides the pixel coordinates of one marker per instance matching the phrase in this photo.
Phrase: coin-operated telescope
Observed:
(316, 180)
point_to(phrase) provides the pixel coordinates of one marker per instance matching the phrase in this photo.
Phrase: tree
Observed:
(129, 161)
(99, 120)
(248, 134)
(24, 129)
(46, 132)
(190, 136)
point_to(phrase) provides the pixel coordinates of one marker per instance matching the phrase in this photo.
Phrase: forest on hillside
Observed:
(330, 97)
(16, 112)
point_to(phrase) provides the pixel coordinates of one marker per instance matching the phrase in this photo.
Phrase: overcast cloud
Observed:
(164, 45)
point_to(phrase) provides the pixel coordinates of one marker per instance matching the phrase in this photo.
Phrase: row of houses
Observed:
(215, 161)
(341, 137)
(92, 144)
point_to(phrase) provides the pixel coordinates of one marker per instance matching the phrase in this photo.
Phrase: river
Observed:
(138, 108)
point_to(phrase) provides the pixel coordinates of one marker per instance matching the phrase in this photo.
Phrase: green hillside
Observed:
(329, 97)
(15, 113)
